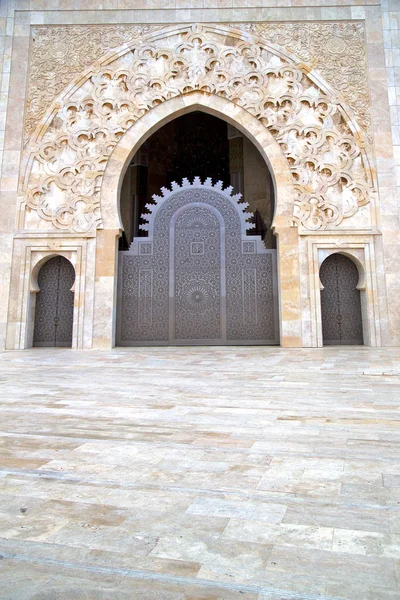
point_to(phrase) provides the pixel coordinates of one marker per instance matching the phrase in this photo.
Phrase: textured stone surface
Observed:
(59, 54)
(207, 473)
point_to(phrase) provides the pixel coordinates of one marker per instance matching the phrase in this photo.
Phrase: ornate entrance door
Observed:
(197, 278)
(340, 302)
(54, 304)
(197, 307)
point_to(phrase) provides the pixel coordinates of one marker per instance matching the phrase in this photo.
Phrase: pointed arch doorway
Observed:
(195, 266)
(105, 330)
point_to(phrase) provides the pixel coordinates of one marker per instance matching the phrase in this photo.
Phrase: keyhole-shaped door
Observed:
(340, 301)
(196, 280)
(54, 304)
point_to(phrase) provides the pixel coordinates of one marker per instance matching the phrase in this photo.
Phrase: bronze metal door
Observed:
(196, 267)
(197, 278)
(340, 301)
(54, 304)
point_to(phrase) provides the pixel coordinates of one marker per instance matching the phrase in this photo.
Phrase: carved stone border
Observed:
(59, 53)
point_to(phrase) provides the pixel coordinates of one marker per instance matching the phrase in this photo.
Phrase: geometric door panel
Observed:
(196, 304)
(197, 278)
(340, 301)
(54, 307)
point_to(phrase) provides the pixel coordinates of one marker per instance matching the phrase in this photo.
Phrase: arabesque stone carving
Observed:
(323, 146)
(337, 50)
(61, 53)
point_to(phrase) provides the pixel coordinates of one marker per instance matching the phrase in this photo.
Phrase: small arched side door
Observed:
(54, 304)
(340, 302)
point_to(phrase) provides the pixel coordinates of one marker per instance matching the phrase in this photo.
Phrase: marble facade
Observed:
(308, 84)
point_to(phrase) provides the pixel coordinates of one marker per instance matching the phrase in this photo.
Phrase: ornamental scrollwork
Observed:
(61, 53)
(324, 153)
(336, 49)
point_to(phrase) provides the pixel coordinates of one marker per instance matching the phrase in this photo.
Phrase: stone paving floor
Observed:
(200, 474)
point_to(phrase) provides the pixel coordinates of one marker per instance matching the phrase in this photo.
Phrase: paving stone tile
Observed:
(372, 494)
(394, 521)
(283, 535)
(391, 480)
(113, 539)
(219, 559)
(177, 467)
(367, 543)
(176, 524)
(268, 511)
(372, 466)
(21, 581)
(297, 585)
(334, 565)
(344, 517)
(359, 591)
(299, 486)
(29, 527)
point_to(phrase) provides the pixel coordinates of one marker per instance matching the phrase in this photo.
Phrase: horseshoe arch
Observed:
(286, 232)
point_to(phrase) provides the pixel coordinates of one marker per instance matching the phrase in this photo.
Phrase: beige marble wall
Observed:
(387, 245)
(378, 254)
(391, 36)
(7, 197)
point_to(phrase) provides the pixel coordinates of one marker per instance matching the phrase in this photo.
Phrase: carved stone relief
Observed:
(337, 50)
(59, 54)
(324, 147)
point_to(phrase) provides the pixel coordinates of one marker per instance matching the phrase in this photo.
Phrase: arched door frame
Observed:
(362, 254)
(35, 289)
(284, 229)
(34, 253)
(38, 262)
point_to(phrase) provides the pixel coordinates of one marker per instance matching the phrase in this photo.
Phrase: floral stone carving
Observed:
(59, 54)
(337, 50)
(323, 146)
